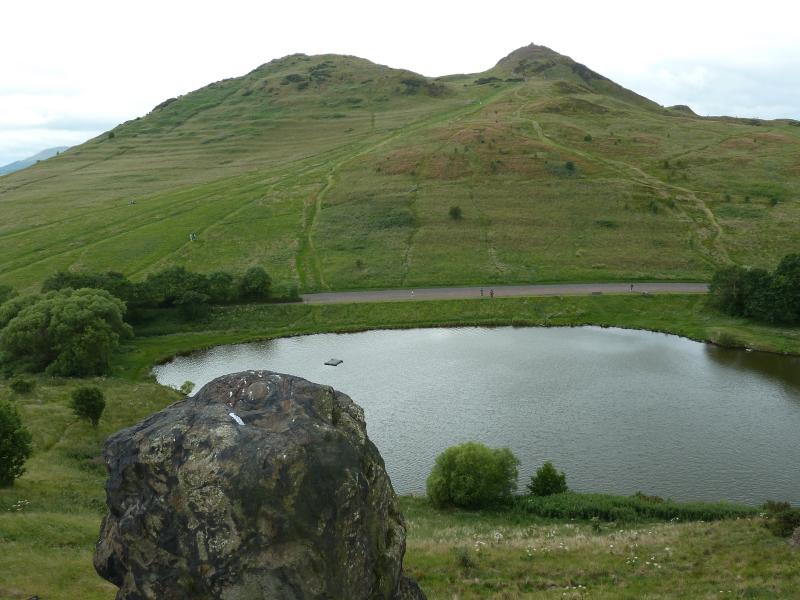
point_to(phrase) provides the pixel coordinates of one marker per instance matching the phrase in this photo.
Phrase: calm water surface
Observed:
(618, 410)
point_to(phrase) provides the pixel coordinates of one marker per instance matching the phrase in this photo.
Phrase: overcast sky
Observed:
(72, 69)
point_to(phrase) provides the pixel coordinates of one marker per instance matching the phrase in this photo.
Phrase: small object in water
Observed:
(236, 418)
(334, 362)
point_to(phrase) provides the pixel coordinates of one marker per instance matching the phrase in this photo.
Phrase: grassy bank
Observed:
(467, 555)
(51, 517)
(688, 315)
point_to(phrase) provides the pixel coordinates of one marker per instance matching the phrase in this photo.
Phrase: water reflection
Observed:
(618, 410)
(782, 369)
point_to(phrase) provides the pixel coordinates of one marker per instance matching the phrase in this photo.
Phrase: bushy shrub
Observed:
(547, 481)
(168, 287)
(114, 283)
(69, 332)
(192, 305)
(186, 387)
(604, 507)
(472, 476)
(455, 213)
(88, 402)
(781, 518)
(22, 385)
(220, 287)
(255, 284)
(15, 444)
(758, 294)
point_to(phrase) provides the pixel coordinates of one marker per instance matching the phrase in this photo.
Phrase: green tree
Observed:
(759, 295)
(88, 402)
(255, 284)
(220, 287)
(192, 305)
(728, 290)
(68, 332)
(114, 283)
(547, 481)
(455, 213)
(166, 287)
(786, 287)
(472, 476)
(15, 444)
(11, 308)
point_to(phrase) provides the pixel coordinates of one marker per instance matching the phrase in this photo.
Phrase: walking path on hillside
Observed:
(504, 291)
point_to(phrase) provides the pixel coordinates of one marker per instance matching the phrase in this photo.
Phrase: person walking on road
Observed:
(491, 293)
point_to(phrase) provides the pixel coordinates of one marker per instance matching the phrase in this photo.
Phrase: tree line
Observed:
(77, 320)
(177, 287)
(772, 297)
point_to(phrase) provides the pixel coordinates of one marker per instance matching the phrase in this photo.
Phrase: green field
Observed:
(336, 173)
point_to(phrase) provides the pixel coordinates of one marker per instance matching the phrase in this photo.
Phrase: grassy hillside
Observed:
(335, 173)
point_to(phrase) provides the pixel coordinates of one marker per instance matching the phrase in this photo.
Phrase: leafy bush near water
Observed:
(548, 481)
(781, 518)
(572, 505)
(472, 476)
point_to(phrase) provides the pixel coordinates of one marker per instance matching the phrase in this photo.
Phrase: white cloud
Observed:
(93, 61)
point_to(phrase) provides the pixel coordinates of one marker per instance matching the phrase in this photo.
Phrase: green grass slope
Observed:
(336, 173)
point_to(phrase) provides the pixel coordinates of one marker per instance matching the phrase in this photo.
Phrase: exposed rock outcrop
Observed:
(294, 503)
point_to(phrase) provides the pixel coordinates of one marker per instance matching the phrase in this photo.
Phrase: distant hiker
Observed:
(491, 293)
(481, 292)
(631, 287)
(412, 293)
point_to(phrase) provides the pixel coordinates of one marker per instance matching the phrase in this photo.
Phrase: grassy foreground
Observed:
(50, 519)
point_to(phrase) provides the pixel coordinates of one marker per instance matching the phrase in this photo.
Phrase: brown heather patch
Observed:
(400, 162)
(646, 138)
(739, 143)
(573, 106)
(447, 166)
(775, 138)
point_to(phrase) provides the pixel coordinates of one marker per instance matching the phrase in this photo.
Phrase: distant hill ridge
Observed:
(31, 160)
(334, 172)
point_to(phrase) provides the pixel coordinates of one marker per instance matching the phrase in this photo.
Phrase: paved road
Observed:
(504, 291)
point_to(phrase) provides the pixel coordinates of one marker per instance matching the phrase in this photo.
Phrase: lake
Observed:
(619, 411)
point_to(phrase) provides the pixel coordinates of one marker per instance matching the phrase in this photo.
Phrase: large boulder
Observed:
(261, 486)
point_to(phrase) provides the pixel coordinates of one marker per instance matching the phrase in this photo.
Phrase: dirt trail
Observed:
(505, 291)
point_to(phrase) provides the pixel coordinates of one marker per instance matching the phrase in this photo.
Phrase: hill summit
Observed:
(333, 172)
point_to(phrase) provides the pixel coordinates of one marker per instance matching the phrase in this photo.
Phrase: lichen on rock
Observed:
(293, 504)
